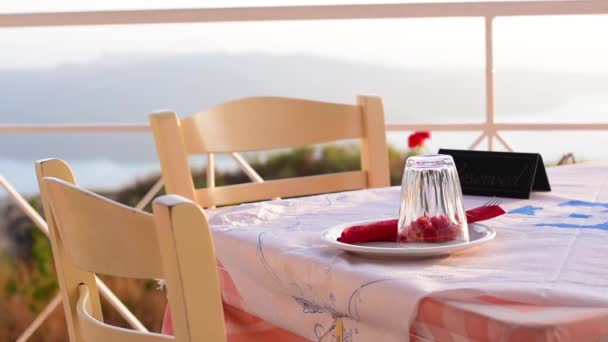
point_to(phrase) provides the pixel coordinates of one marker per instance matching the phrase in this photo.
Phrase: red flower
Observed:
(417, 139)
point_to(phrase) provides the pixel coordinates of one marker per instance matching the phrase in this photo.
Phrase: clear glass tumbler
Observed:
(431, 207)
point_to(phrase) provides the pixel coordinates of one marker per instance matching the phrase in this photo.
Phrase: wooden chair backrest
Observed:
(91, 234)
(263, 123)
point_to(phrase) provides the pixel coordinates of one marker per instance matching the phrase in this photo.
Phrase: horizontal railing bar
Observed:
(73, 128)
(436, 127)
(499, 127)
(550, 127)
(130, 128)
(318, 12)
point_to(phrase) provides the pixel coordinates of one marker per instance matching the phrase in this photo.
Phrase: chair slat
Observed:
(263, 123)
(103, 236)
(290, 187)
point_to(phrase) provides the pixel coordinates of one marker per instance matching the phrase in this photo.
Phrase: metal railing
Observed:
(489, 128)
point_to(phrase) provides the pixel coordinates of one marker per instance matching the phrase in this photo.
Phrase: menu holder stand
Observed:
(500, 174)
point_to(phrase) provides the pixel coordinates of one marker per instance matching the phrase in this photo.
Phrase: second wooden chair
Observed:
(263, 123)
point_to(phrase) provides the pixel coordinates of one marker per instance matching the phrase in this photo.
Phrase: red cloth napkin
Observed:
(387, 230)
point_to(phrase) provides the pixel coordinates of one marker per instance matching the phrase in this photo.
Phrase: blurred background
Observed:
(548, 70)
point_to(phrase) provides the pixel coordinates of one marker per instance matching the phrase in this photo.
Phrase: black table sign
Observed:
(501, 174)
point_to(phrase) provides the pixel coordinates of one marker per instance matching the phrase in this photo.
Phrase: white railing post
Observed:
(489, 130)
(211, 170)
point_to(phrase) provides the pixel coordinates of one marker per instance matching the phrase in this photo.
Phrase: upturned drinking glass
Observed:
(431, 207)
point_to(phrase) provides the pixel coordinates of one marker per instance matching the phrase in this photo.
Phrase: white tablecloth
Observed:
(550, 251)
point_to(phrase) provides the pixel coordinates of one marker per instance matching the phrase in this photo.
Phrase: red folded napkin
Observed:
(387, 230)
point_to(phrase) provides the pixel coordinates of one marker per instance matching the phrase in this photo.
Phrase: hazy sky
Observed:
(551, 43)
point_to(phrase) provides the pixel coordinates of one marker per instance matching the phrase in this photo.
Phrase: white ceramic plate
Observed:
(478, 234)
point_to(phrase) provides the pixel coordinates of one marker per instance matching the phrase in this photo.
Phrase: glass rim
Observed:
(430, 160)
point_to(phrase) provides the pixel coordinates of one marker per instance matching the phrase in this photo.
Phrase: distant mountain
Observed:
(126, 90)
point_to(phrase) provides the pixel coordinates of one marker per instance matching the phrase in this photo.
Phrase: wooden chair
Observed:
(91, 234)
(263, 123)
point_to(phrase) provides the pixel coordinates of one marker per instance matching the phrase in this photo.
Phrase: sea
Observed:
(106, 174)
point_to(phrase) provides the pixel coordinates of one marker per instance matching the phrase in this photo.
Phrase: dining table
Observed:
(544, 277)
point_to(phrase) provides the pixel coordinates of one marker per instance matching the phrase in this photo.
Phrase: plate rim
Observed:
(430, 250)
